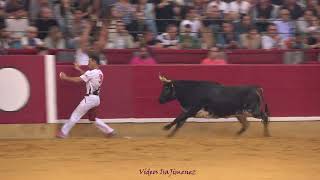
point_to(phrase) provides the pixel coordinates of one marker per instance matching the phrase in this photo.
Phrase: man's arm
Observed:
(63, 76)
(78, 68)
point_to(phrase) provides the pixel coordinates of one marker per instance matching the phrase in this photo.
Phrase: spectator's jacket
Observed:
(166, 41)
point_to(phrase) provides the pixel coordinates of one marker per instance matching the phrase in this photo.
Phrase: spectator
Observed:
(81, 56)
(314, 40)
(244, 25)
(296, 42)
(304, 22)
(164, 11)
(200, 7)
(4, 39)
(222, 6)
(271, 39)
(250, 40)
(207, 38)
(45, 22)
(284, 25)
(228, 38)
(62, 10)
(35, 7)
(169, 39)
(239, 6)
(120, 39)
(294, 9)
(150, 40)
(74, 28)
(313, 6)
(2, 16)
(215, 57)
(143, 57)
(193, 21)
(30, 41)
(263, 13)
(17, 23)
(114, 18)
(126, 11)
(85, 6)
(179, 13)
(147, 8)
(138, 25)
(213, 19)
(315, 25)
(13, 5)
(187, 40)
(55, 39)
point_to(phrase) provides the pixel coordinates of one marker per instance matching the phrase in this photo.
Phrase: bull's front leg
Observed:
(181, 119)
(175, 121)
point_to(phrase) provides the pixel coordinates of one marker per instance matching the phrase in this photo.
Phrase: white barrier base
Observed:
(200, 120)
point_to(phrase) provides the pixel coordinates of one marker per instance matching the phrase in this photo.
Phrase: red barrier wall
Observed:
(35, 109)
(132, 91)
(171, 56)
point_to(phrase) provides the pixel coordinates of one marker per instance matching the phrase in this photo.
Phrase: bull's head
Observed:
(168, 92)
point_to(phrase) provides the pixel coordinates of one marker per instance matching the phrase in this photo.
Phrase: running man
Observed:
(93, 79)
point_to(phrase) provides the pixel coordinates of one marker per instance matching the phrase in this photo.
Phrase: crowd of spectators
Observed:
(174, 24)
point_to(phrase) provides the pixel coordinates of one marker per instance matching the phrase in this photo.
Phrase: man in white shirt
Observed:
(271, 40)
(239, 6)
(223, 6)
(93, 79)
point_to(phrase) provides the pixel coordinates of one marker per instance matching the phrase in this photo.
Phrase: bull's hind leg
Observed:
(244, 122)
(265, 121)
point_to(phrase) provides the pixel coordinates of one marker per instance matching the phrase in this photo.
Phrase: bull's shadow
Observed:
(216, 101)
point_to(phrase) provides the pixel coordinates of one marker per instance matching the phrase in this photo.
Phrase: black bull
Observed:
(217, 100)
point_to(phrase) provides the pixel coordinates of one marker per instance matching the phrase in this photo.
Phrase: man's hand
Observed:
(78, 68)
(62, 75)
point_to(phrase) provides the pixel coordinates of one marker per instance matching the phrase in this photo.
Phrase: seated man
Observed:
(215, 57)
(187, 40)
(142, 57)
(169, 39)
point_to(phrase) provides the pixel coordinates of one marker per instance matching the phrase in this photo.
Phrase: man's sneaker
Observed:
(109, 135)
(61, 135)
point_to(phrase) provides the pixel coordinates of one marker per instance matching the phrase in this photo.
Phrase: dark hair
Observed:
(94, 56)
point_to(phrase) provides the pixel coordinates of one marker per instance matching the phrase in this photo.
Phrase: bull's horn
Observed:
(164, 79)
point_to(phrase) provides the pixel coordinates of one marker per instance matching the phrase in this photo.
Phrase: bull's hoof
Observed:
(241, 132)
(266, 134)
(170, 135)
(167, 127)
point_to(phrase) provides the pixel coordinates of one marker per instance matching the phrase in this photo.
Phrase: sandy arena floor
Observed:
(207, 151)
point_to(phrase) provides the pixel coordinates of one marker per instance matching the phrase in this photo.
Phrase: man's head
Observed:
(227, 27)
(253, 32)
(213, 12)
(246, 20)
(120, 27)
(94, 60)
(213, 53)
(143, 53)
(172, 30)
(187, 29)
(32, 32)
(272, 30)
(46, 13)
(307, 15)
(285, 14)
(55, 33)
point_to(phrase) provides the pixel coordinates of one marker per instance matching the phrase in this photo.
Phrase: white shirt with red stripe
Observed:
(93, 79)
